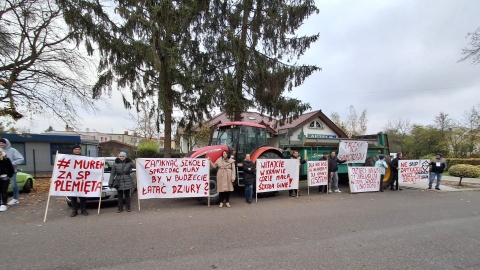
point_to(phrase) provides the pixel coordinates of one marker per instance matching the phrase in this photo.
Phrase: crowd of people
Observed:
(121, 180)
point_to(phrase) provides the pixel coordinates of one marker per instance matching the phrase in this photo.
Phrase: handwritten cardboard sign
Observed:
(413, 171)
(364, 179)
(317, 173)
(77, 176)
(173, 177)
(353, 151)
(277, 174)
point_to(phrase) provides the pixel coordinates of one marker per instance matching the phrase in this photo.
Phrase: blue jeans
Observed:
(13, 182)
(248, 192)
(432, 177)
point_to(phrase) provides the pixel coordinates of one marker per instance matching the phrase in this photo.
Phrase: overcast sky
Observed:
(396, 59)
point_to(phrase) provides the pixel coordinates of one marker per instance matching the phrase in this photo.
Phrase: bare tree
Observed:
(398, 131)
(472, 52)
(40, 71)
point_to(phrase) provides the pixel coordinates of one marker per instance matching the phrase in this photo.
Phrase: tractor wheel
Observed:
(214, 196)
(28, 186)
(370, 162)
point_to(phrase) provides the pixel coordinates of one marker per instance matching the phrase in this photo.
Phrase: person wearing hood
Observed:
(122, 181)
(225, 177)
(6, 172)
(383, 166)
(16, 158)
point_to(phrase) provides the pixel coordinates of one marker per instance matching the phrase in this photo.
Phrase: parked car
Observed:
(108, 194)
(25, 182)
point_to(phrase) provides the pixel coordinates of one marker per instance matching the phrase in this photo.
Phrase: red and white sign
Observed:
(77, 176)
(353, 151)
(364, 179)
(277, 174)
(172, 177)
(413, 171)
(317, 173)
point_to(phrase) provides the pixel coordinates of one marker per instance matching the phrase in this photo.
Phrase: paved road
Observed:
(409, 229)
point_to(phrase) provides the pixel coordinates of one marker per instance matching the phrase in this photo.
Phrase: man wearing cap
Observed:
(383, 165)
(16, 158)
(77, 150)
(437, 166)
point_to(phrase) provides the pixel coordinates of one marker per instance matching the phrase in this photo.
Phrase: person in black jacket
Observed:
(6, 171)
(437, 166)
(77, 150)
(333, 162)
(249, 168)
(394, 166)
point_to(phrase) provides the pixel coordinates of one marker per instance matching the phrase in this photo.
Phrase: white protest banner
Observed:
(364, 179)
(172, 177)
(353, 151)
(413, 171)
(277, 174)
(77, 176)
(317, 173)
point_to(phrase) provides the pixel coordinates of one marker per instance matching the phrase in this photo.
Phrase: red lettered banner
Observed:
(77, 176)
(277, 174)
(413, 171)
(364, 179)
(172, 177)
(317, 173)
(353, 151)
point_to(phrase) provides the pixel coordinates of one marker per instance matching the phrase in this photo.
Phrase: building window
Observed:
(316, 124)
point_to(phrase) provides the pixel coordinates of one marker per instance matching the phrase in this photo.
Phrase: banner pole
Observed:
(51, 180)
(100, 200)
(136, 176)
(46, 210)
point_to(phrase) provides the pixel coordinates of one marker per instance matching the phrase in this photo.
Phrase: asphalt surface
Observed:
(409, 229)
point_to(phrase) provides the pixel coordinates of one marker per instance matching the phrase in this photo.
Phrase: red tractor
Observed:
(239, 138)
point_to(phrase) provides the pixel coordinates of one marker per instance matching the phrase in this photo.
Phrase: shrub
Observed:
(464, 170)
(147, 149)
(455, 161)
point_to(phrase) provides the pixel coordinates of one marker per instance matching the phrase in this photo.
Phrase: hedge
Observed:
(464, 171)
(468, 161)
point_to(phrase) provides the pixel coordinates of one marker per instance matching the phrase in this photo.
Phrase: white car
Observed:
(108, 194)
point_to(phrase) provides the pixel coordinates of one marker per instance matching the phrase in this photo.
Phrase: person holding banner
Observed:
(333, 162)
(383, 165)
(323, 188)
(16, 158)
(394, 166)
(301, 161)
(437, 166)
(249, 168)
(122, 181)
(6, 171)
(77, 150)
(225, 177)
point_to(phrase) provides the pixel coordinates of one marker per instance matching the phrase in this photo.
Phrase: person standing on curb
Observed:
(333, 162)
(6, 171)
(383, 165)
(394, 166)
(437, 166)
(16, 158)
(77, 150)
(122, 181)
(249, 169)
(324, 188)
(301, 161)
(225, 177)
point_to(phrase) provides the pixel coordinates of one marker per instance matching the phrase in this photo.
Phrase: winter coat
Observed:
(438, 169)
(225, 174)
(6, 167)
(394, 165)
(333, 163)
(15, 157)
(120, 174)
(249, 168)
(382, 164)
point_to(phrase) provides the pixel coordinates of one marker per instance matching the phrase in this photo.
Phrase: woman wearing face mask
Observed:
(121, 180)
(225, 177)
(6, 171)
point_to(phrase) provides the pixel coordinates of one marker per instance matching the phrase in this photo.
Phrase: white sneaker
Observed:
(337, 191)
(12, 202)
(3, 208)
(329, 191)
